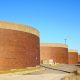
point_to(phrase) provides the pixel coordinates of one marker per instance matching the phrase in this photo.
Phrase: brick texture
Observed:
(72, 57)
(57, 54)
(18, 49)
(78, 58)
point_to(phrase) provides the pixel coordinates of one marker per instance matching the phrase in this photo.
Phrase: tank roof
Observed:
(19, 27)
(54, 45)
(72, 50)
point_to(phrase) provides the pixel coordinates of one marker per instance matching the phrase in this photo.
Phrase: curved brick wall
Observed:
(18, 49)
(72, 57)
(78, 58)
(57, 52)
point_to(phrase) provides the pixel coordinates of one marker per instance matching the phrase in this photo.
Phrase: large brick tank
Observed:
(19, 46)
(79, 58)
(53, 52)
(72, 57)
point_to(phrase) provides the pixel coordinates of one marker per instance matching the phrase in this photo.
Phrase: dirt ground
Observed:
(46, 74)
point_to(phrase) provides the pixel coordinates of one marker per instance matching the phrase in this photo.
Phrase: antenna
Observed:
(65, 40)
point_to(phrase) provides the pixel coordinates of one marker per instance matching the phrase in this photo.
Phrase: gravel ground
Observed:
(47, 74)
(41, 75)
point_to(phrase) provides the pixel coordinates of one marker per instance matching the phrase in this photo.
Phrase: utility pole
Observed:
(65, 40)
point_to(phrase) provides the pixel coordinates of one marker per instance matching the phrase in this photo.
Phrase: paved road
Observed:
(62, 67)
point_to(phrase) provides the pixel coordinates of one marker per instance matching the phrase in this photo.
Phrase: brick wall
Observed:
(18, 49)
(79, 58)
(58, 54)
(72, 57)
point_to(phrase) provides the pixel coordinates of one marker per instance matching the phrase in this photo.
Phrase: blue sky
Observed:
(55, 19)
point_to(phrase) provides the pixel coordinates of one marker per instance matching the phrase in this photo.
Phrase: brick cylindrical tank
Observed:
(19, 46)
(72, 57)
(53, 52)
(79, 58)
